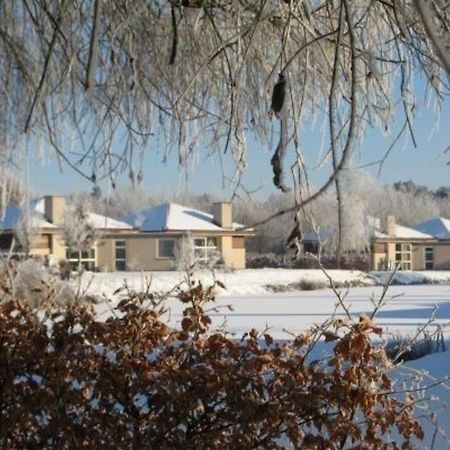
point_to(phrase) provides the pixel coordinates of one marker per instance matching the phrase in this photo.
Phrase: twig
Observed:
(45, 68)
(173, 52)
(93, 47)
(345, 153)
(425, 16)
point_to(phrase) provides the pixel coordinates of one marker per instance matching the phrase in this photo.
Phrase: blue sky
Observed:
(426, 164)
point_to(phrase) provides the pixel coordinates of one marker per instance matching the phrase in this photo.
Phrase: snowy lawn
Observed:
(407, 307)
(256, 305)
(238, 282)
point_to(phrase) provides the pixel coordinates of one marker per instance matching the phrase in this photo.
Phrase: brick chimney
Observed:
(390, 226)
(54, 209)
(223, 215)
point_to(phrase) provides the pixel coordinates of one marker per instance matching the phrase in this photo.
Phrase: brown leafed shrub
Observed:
(69, 381)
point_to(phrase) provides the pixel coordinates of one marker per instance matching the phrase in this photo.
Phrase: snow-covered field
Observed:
(239, 282)
(255, 306)
(258, 281)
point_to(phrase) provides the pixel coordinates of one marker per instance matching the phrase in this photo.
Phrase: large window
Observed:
(121, 255)
(166, 248)
(403, 256)
(204, 247)
(86, 258)
(429, 258)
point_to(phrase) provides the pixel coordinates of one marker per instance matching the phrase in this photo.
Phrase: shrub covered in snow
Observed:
(31, 283)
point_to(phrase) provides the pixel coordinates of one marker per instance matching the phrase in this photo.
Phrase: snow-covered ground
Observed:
(255, 306)
(238, 282)
(258, 281)
(424, 277)
(250, 292)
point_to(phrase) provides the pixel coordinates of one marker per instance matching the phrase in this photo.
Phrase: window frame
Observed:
(202, 252)
(121, 259)
(403, 255)
(89, 262)
(158, 243)
(428, 251)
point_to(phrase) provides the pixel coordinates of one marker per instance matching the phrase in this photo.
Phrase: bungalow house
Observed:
(145, 241)
(408, 247)
(161, 227)
(45, 217)
(424, 246)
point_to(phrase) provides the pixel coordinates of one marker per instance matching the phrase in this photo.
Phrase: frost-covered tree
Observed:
(357, 191)
(25, 232)
(103, 82)
(78, 233)
(12, 190)
(185, 258)
(408, 207)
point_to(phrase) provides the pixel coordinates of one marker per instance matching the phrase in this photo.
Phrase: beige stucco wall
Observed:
(391, 252)
(58, 247)
(55, 247)
(142, 251)
(237, 259)
(142, 255)
(105, 255)
(442, 256)
(418, 257)
(233, 257)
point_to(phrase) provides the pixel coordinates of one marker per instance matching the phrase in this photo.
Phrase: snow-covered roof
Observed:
(375, 231)
(174, 217)
(13, 214)
(437, 227)
(379, 234)
(36, 210)
(403, 232)
(105, 222)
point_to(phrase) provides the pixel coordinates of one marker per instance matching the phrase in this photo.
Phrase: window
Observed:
(86, 258)
(166, 248)
(204, 247)
(429, 258)
(121, 255)
(403, 256)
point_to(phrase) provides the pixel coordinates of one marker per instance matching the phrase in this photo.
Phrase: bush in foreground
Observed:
(132, 382)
